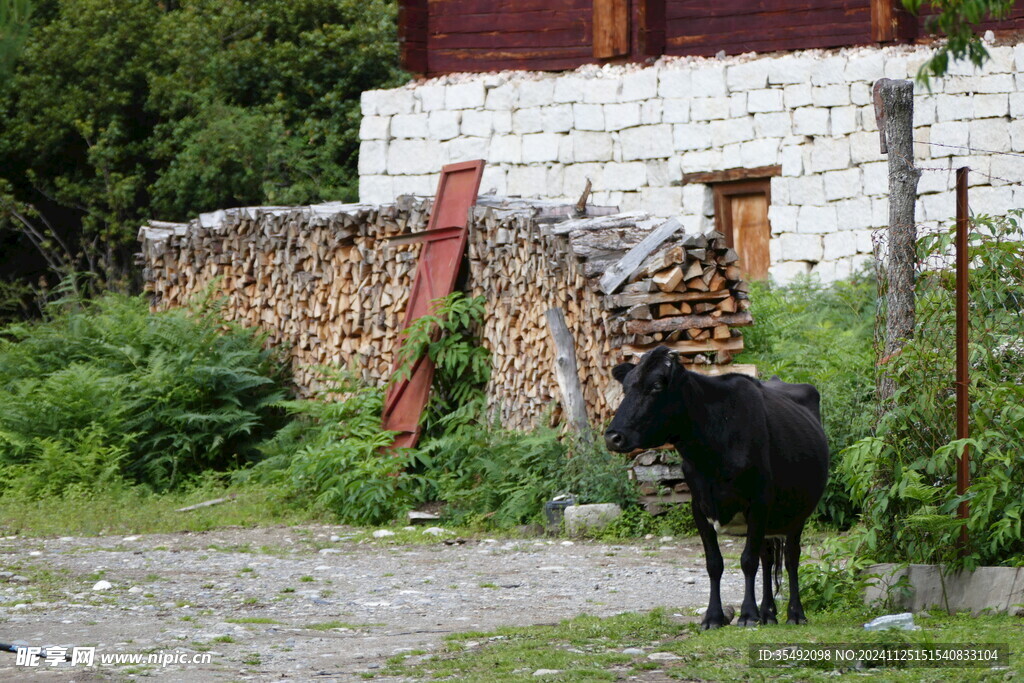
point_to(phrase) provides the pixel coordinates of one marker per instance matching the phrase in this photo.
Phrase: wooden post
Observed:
(894, 109)
(963, 468)
(567, 373)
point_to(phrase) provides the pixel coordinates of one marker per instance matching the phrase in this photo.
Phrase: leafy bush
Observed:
(835, 581)
(165, 396)
(822, 335)
(636, 522)
(904, 476)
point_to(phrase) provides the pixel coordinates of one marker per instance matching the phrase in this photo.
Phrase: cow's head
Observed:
(644, 419)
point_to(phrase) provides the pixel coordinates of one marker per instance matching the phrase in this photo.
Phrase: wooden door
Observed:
(741, 214)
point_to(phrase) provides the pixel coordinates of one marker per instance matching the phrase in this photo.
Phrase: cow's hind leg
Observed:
(714, 617)
(768, 550)
(749, 615)
(796, 610)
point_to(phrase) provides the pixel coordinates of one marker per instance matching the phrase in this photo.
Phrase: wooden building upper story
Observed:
(445, 36)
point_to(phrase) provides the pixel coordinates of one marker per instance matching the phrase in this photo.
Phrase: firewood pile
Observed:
(330, 282)
(660, 479)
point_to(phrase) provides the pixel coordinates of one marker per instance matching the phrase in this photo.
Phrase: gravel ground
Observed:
(193, 592)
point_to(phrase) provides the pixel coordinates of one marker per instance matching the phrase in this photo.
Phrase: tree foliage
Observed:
(958, 21)
(120, 112)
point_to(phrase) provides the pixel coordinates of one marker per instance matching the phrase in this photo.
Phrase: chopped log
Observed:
(667, 280)
(727, 305)
(625, 267)
(686, 322)
(721, 332)
(717, 345)
(626, 300)
(666, 310)
(697, 284)
(640, 312)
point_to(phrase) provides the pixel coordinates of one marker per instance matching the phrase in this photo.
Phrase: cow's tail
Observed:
(777, 547)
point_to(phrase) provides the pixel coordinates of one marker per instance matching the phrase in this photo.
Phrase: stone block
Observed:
(797, 95)
(591, 146)
(956, 134)
(588, 116)
(602, 91)
(864, 147)
(646, 142)
(663, 202)
(815, 220)
(829, 154)
(528, 181)
(987, 106)
(698, 199)
(704, 160)
(576, 176)
(619, 116)
(373, 157)
(768, 99)
(376, 189)
(1017, 105)
(709, 108)
(810, 121)
(527, 121)
(413, 157)
(759, 152)
(478, 123)
(865, 241)
(639, 85)
(662, 172)
(732, 155)
(375, 128)
(779, 189)
(995, 201)
(368, 102)
(676, 110)
(773, 125)
(502, 98)
(431, 97)
(443, 125)
(800, 247)
(990, 135)
(708, 81)
(409, 126)
(866, 67)
(565, 150)
(731, 130)
(837, 95)
(824, 271)
(502, 122)
(1006, 167)
(842, 120)
(395, 101)
(506, 149)
(467, 95)
(994, 83)
(789, 69)
(751, 75)
(737, 105)
(808, 190)
(860, 94)
(836, 245)
(569, 89)
(420, 185)
(674, 83)
(494, 180)
(536, 93)
(556, 181)
(557, 119)
(792, 160)
(465, 149)
(896, 66)
(937, 180)
(985, 589)
(842, 184)
(650, 111)
(785, 272)
(880, 211)
(540, 147)
(782, 218)
(953, 108)
(627, 176)
(940, 207)
(829, 70)
(581, 519)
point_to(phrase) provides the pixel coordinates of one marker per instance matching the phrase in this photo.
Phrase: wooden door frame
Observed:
(722, 191)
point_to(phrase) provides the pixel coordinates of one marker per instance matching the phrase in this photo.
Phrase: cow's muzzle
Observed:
(615, 441)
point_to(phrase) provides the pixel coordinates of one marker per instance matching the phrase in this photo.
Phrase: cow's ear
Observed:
(620, 371)
(672, 358)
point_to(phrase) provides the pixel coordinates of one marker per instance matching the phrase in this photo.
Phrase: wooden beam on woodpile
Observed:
(618, 273)
(687, 322)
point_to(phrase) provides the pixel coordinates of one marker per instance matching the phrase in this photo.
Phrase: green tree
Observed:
(14, 16)
(958, 21)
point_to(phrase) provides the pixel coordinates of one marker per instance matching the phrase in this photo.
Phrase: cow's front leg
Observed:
(796, 609)
(714, 617)
(768, 610)
(749, 560)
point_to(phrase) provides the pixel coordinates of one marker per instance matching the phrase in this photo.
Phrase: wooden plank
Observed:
(567, 372)
(412, 35)
(649, 28)
(703, 346)
(611, 28)
(732, 174)
(627, 300)
(687, 322)
(618, 273)
(883, 20)
(748, 369)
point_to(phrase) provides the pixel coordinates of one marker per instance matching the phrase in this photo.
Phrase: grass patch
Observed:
(590, 649)
(331, 625)
(253, 620)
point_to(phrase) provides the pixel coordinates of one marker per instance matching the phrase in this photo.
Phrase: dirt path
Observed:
(261, 602)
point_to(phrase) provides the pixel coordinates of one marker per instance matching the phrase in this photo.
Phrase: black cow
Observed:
(749, 448)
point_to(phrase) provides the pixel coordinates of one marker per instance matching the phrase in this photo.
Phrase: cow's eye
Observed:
(658, 386)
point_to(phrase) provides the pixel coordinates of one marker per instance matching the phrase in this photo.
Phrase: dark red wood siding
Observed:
(698, 27)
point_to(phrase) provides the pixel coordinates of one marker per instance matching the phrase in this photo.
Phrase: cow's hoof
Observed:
(748, 621)
(711, 624)
(769, 619)
(796, 621)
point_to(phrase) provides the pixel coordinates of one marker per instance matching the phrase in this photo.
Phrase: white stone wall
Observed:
(633, 131)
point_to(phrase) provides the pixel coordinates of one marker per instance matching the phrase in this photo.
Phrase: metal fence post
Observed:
(963, 474)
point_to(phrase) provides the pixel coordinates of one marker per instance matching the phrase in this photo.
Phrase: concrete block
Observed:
(709, 108)
(569, 89)
(797, 95)
(663, 202)
(619, 116)
(627, 176)
(866, 67)
(502, 122)
(843, 120)
(375, 128)
(527, 121)
(789, 69)
(731, 130)
(747, 75)
(591, 146)
(842, 184)
(768, 99)
(506, 149)
(557, 119)
(413, 157)
(431, 97)
(477, 123)
(646, 142)
(540, 147)
(580, 519)
(810, 121)
(467, 95)
(815, 220)
(800, 247)
(839, 244)
(409, 126)
(373, 157)
(528, 181)
(602, 91)
(773, 125)
(639, 85)
(708, 81)
(829, 154)
(676, 110)
(986, 589)
(443, 125)
(503, 98)
(650, 111)
(588, 116)
(990, 134)
(537, 93)
(785, 272)
(837, 95)
(674, 83)
(829, 70)
(759, 152)
(376, 189)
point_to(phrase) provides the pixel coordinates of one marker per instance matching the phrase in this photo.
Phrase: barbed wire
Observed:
(973, 149)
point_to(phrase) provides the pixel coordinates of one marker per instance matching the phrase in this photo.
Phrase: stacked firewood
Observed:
(660, 479)
(688, 296)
